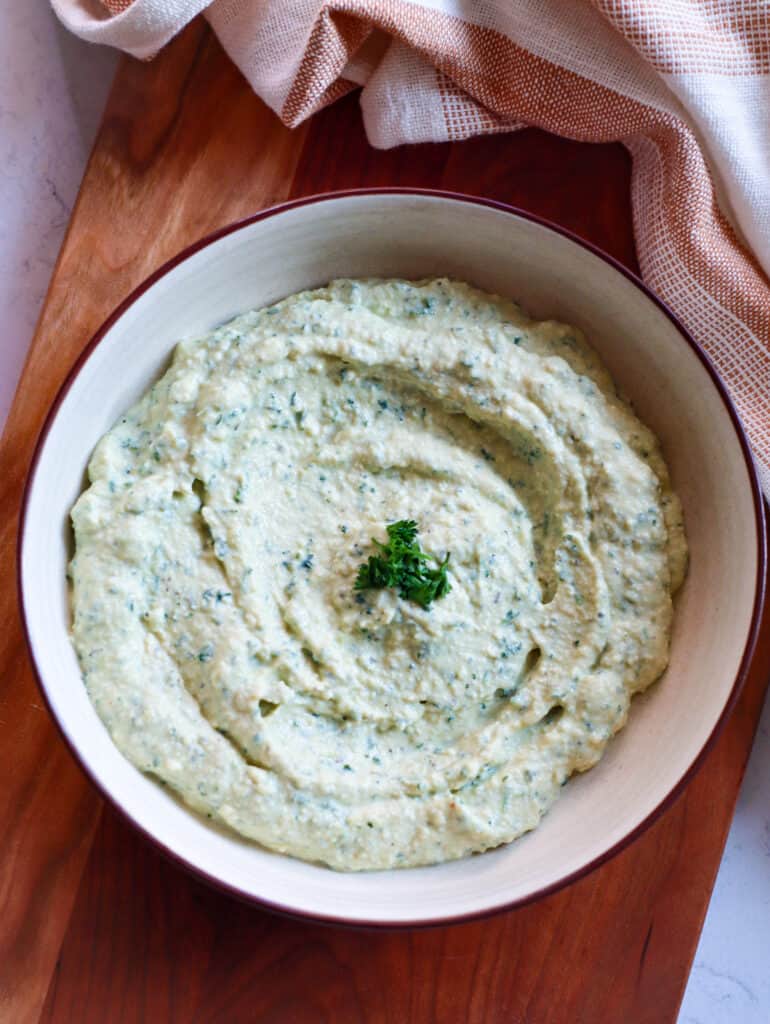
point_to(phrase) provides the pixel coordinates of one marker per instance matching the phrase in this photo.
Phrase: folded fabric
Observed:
(683, 84)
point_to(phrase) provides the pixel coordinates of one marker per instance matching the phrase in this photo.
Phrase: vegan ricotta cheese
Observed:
(215, 615)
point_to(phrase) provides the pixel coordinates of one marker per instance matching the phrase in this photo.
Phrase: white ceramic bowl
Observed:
(674, 390)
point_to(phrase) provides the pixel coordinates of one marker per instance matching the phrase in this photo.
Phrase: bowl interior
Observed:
(672, 391)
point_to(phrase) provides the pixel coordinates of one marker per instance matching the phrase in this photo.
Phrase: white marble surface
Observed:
(52, 90)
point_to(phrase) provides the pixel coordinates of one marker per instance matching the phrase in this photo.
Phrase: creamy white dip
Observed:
(221, 639)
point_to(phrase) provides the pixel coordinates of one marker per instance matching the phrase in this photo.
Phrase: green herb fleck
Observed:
(402, 564)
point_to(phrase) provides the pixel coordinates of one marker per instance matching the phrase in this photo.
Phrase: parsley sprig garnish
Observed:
(402, 564)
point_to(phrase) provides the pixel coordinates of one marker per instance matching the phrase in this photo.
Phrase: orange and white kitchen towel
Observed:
(683, 84)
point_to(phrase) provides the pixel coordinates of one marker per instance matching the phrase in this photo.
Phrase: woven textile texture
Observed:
(683, 84)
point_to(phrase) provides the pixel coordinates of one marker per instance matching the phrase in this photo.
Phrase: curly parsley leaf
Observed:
(402, 564)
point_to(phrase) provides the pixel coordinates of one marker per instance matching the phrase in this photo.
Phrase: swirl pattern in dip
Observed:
(215, 619)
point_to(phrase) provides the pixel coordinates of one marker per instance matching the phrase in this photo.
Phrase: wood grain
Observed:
(94, 924)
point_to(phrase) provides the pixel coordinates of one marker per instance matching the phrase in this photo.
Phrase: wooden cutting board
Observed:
(94, 924)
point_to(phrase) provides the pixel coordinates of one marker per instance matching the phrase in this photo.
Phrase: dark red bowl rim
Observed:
(759, 585)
